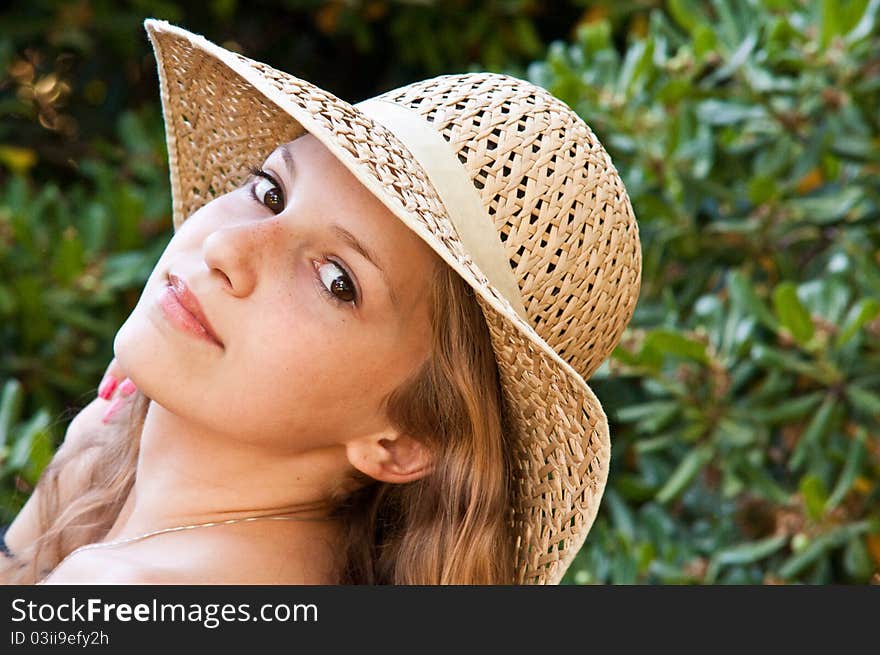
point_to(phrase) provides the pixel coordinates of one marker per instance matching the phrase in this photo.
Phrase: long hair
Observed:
(452, 526)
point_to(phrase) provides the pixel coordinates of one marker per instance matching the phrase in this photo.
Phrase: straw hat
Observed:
(505, 183)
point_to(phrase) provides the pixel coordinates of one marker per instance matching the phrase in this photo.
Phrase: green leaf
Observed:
(762, 482)
(40, 454)
(594, 37)
(8, 303)
(621, 516)
(657, 443)
(10, 408)
(671, 92)
(831, 21)
(761, 189)
(815, 496)
(649, 417)
(636, 62)
(789, 410)
(632, 413)
(791, 313)
(705, 41)
(80, 318)
(624, 569)
(686, 13)
(855, 148)
(726, 112)
(29, 291)
(625, 356)
(818, 427)
(686, 471)
(865, 27)
(94, 227)
(747, 301)
(634, 487)
(736, 61)
(864, 311)
(866, 402)
(819, 547)
(770, 356)
(128, 209)
(731, 484)
(69, 258)
(781, 35)
(854, 457)
(857, 561)
(828, 297)
(126, 269)
(736, 434)
(668, 342)
(744, 553)
(829, 207)
(32, 448)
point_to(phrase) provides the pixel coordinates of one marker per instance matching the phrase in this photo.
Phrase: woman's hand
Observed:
(115, 387)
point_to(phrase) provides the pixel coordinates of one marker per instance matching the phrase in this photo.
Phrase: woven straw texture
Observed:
(557, 202)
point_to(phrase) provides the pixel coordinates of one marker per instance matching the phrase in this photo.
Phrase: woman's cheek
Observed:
(297, 325)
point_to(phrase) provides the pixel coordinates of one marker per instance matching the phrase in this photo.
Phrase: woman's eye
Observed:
(267, 192)
(336, 283)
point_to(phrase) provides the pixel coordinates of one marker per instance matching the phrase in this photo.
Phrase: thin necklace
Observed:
(117, 542)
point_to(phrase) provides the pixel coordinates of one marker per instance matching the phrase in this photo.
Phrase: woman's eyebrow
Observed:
(367, 254)
(288, 158)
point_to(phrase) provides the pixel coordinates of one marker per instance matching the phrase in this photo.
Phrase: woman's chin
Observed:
(141, 352)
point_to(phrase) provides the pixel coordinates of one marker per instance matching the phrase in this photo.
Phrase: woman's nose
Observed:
(237, 252)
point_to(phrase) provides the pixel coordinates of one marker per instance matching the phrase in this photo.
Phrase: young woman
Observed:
(361, 357)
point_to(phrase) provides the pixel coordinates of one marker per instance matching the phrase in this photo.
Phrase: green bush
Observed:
(745, 394)
(72, 264)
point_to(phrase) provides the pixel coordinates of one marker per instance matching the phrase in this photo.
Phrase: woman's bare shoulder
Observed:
(100, 567)
(106, 567)
(232, 562)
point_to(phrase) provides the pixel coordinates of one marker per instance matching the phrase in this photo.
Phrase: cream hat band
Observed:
(458, 194)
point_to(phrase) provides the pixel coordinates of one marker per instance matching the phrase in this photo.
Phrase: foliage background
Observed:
(745, 394)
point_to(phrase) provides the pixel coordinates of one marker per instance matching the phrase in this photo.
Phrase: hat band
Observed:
(463, 204)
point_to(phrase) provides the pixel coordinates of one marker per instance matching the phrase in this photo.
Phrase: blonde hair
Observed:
(453, 526)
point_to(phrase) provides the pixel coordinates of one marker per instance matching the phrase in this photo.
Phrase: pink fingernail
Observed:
(112, 409)
(105, 389)
(127, 387)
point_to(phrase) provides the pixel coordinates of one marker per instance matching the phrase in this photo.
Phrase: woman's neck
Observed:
(188, 475)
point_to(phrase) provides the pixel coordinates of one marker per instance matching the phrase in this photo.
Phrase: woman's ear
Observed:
(394, 457)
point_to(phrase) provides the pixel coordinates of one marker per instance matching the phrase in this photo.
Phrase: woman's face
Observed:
(312, 334)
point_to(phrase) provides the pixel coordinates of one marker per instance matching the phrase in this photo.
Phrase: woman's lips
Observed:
(172, 303)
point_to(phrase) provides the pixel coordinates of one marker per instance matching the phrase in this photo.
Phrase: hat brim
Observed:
(224, 112)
